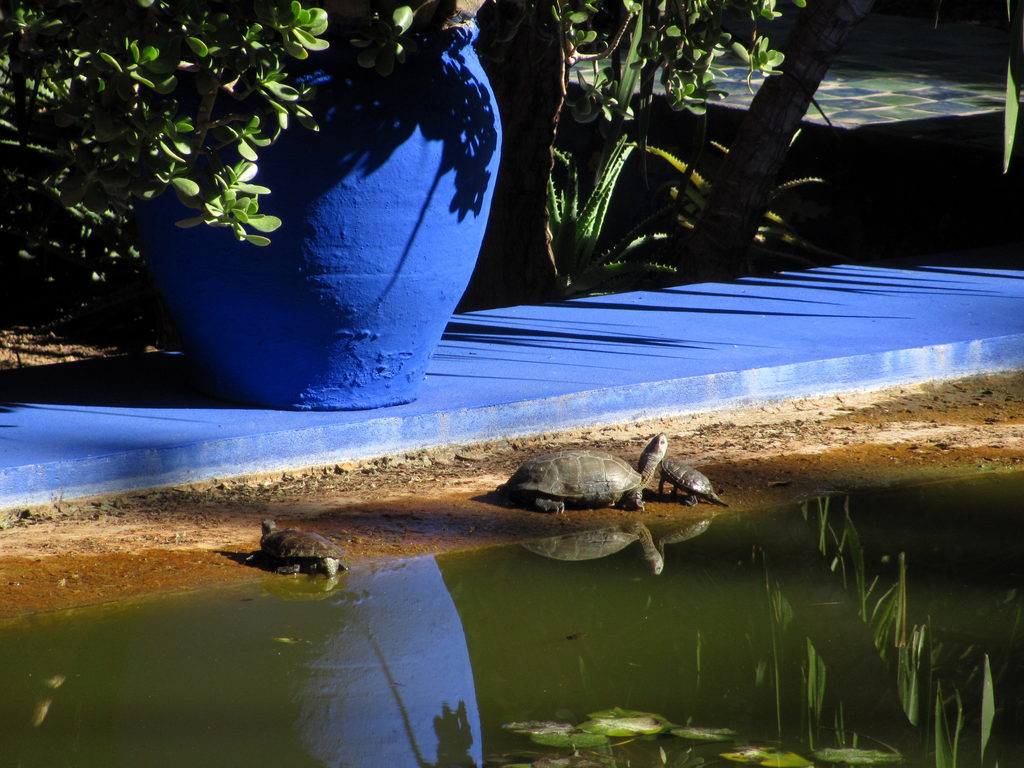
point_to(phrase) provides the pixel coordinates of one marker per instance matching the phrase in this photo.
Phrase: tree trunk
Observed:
(515, 264)
(742, 186)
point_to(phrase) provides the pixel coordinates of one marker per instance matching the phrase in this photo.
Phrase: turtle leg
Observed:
(549, 505)
(633, 499)
(288, 568)
(691, 500)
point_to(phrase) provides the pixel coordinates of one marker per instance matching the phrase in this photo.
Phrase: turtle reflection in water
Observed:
(584, 479)
(296, 551)
(601, 542)
(683, 533)
(598, 542)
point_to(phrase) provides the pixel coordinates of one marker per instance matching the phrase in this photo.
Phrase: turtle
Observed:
(598, 542)
(297, 549)
(681, 533)
(684, 478)
(584, 479)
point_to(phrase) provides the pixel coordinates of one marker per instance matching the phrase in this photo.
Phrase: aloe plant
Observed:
(577, 225)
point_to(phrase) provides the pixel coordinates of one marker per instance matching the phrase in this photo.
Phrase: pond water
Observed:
(889, 622)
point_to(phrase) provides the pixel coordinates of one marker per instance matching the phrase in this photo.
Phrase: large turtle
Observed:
(584, 479)
(686, 480)
(599, 542)
(298, 549)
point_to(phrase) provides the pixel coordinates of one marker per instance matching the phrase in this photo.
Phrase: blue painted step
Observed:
(101, 426)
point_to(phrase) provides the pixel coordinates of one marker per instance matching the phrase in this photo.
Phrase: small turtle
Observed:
(584, 479)
(598, 542)
(684, 478)
(683, 533)
(295, 549)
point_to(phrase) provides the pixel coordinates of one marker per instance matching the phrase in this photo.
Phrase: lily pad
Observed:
(625, 722)
(575, 740)
(856, 756)
(703, 734)
(574, 761)
(539, 726)
(767, 756)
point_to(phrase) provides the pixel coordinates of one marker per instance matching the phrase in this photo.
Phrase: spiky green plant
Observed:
(576, 227)
(691, 193)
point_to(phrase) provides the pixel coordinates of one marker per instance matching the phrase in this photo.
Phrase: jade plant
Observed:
(139, 96)
(132, 98)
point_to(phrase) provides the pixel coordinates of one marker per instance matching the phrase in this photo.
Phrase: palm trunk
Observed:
(742, 187)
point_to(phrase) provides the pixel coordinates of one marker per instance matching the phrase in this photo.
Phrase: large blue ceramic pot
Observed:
(384, 210)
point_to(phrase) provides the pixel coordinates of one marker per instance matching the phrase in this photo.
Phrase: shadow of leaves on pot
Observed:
(439, 92)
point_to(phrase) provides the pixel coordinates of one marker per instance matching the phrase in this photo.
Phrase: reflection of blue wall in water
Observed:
(374, 673)
(393, 685)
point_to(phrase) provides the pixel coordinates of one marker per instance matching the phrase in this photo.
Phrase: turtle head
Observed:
(269, 526)
(654, 555)
(652, 456)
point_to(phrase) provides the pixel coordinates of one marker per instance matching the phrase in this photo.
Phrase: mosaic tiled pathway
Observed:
(895, 69)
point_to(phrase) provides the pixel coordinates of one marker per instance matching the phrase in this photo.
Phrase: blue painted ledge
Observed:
(77, 429)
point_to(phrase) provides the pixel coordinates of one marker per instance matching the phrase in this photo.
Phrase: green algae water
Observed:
(886, 626)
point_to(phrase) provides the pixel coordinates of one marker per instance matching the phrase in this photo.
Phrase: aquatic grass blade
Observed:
(909, 666)
(814, 673)
(947, 743)
(988, 707)
(780, 614)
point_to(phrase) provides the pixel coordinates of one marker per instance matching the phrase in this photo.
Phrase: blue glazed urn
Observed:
(384, 210)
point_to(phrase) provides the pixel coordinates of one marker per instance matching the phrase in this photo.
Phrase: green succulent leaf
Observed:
(263, 223)
(310, 42)
(281, 91)
(245, 150)
(185, 187)
(402, 17)
(114, 63)
(198, 47)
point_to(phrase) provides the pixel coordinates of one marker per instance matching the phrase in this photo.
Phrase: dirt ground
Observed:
(86, 551)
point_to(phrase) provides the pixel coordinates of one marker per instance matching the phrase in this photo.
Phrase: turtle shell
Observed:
(291, 545)
(581, 478)
(582, 545)
(688, 480)
(596, 543)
